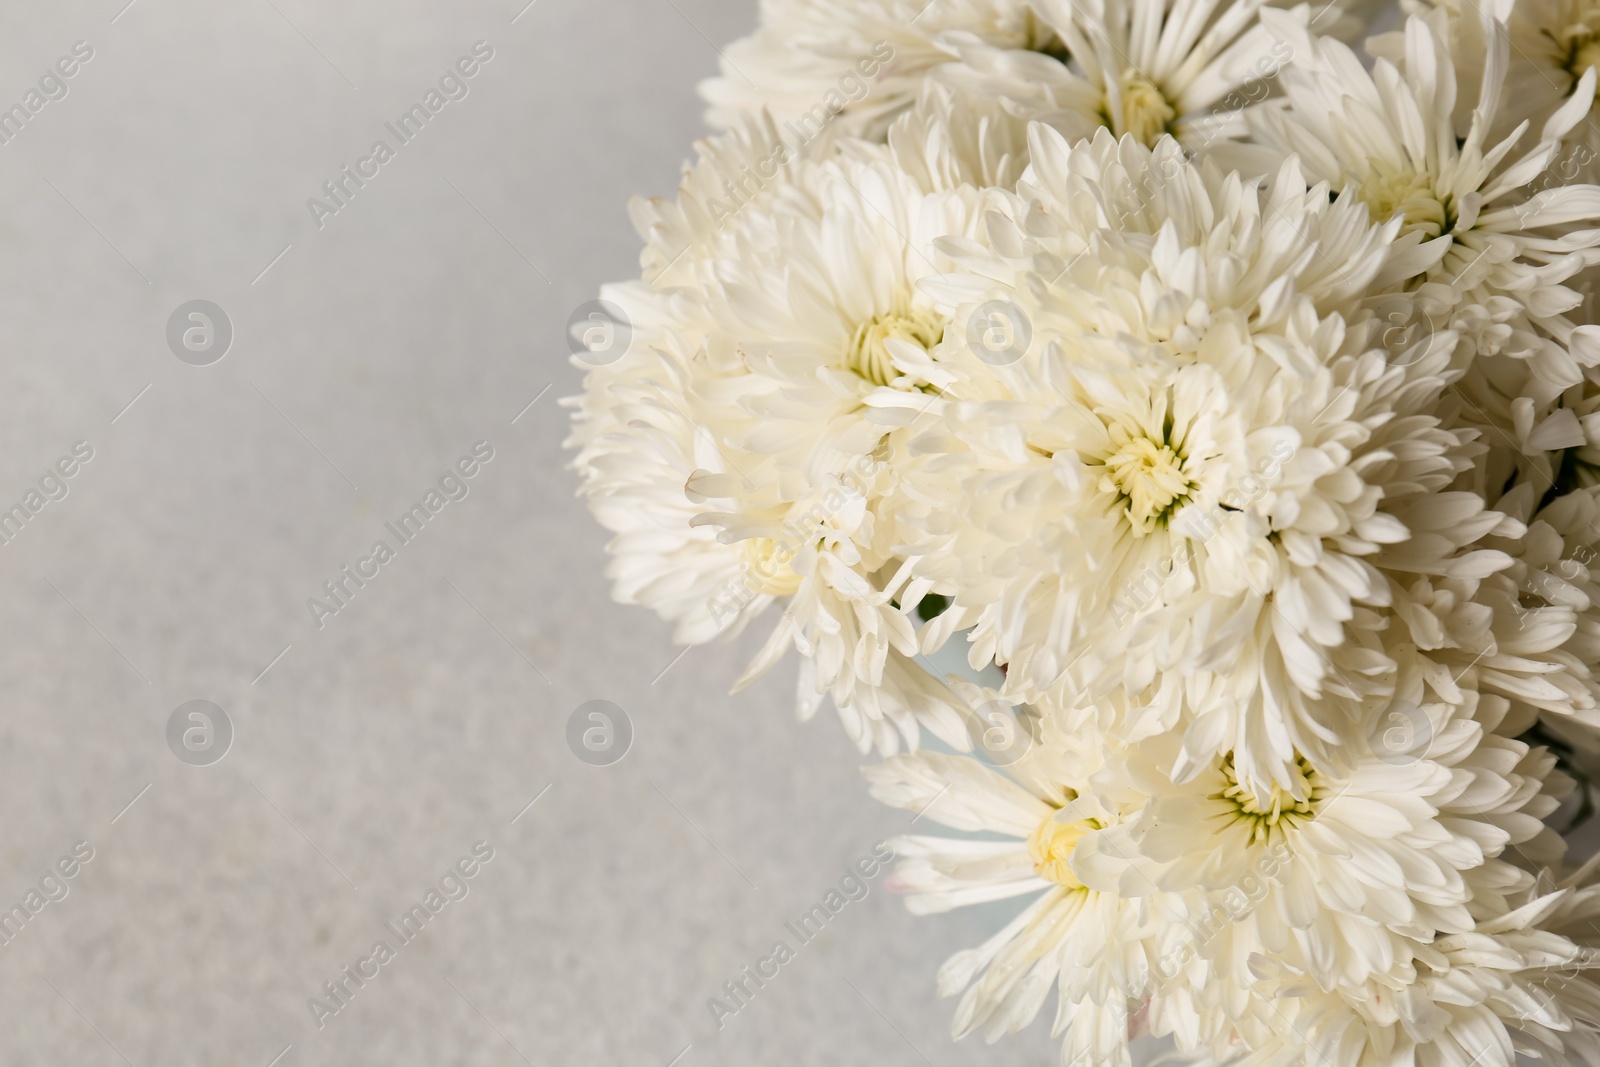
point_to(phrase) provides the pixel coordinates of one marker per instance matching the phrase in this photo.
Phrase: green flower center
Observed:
(1279, 809)
(1149, 476)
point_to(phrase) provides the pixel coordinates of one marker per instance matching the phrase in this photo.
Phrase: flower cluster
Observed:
(1224, 394)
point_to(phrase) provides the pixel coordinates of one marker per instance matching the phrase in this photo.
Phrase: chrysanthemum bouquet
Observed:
(1169, 433)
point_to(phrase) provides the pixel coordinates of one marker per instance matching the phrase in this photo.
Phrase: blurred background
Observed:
(215, 397)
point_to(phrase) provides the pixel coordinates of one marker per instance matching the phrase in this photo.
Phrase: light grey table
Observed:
(368, 755)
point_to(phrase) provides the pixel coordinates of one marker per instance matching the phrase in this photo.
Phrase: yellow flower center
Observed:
(1278, 809)
(1150, 478)
(1051, 847)
(869, 352)
(1387, 193)
(1146, 111)
(767, 564)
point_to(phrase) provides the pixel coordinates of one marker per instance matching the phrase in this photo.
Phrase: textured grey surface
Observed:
(418, 320)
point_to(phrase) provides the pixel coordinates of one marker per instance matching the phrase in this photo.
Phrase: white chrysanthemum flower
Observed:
(1390, 136)
(852, 66)
(1181, 911)
(1191, 69)
(1186, 463)
(1098, 949)
(785, 287)
(637, 426)
(819, 298)
(1386, 883)
(1384, 849)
